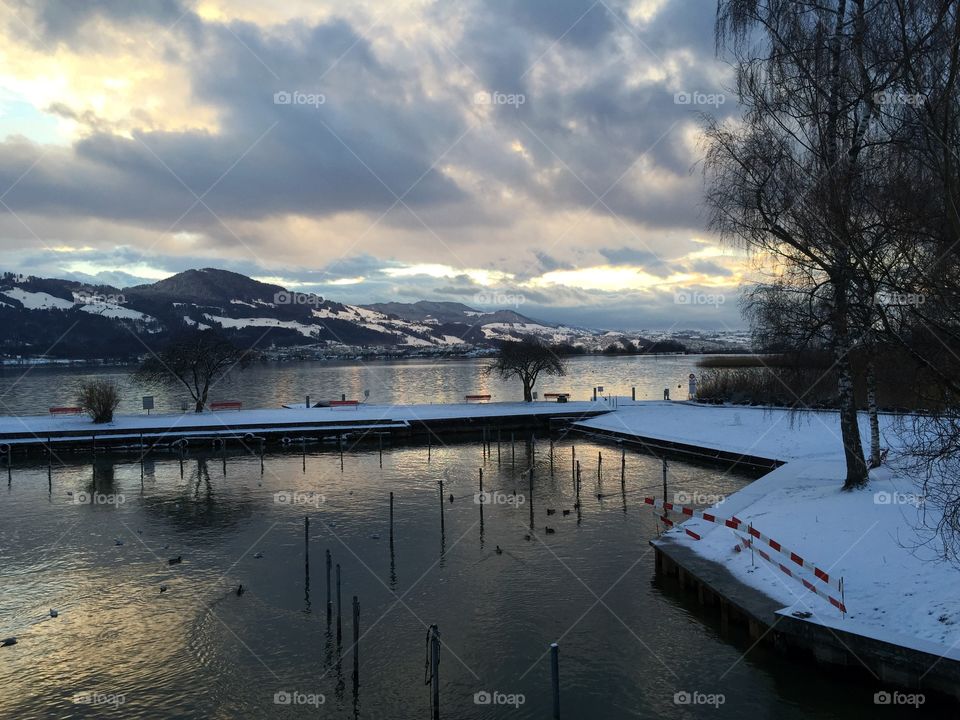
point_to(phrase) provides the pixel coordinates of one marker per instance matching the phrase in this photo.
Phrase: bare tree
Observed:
(197, 359)
(793, 181)
(526, 359)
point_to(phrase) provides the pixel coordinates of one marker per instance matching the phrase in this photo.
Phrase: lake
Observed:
(630, 643)
(31, 390)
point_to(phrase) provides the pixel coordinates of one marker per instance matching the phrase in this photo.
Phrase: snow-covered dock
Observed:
(902, 624)
(35, 431)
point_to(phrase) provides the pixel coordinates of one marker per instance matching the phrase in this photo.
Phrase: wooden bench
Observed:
(554, 396)
(66, 411)
(226, 405)
(476, 398)
(345, 403)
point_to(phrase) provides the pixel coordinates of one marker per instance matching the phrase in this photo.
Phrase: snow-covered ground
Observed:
(896, 588)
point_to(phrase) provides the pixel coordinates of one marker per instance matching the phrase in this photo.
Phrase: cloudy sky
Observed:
(533, 153)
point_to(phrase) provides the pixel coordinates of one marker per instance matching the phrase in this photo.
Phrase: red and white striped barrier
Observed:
(736, 524)
(670, 523)
(744, 544)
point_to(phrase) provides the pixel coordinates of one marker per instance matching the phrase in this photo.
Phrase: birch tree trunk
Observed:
(872, 410)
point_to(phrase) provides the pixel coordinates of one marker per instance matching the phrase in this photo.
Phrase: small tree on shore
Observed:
(197, 360)
(526, 359)
(98, 398)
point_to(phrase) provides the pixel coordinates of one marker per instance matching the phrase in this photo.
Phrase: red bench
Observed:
(345, 403)
(556, 395)
(476, 398)
(226, 405)
(66, 411)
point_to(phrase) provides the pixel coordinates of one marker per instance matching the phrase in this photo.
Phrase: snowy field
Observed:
(896, 589)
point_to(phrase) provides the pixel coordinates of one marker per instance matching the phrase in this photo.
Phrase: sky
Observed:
(540, 155)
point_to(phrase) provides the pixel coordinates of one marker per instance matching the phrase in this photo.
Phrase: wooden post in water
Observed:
(551, 457)
(380, 438)
(329, 601)
(340, 446)
(498, 446)
(573, 464)
(530, 499)
(303, 451)
(262, 443)
(577, 482)
(513, 451)
(599, 467)
(429, 444)
(555, 678)
(442, 499)
(665, 480)
(391, 518)
(339, 608)
(356, 643)
(623, 467)
(434, 672)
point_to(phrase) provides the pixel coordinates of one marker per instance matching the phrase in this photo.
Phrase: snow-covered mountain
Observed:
(70, 319)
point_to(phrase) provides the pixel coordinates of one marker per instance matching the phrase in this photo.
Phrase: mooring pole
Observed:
(391, 518)
(498, 446)
(599, 466)
(665, 480)
(356, 643)
(380, 438)
(441, 507)
(429, 444)
(530, 499)
(340, 445)
(435, 672)
(555, 677)
(329, 602)
(573, 463)
(577, 482)
(633, 393)
(551, 457)
(623, 466)
(513, 451)
(303, 451)
(339, 608)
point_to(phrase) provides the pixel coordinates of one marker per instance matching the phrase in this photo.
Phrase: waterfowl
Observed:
(549, 530)
(566, 512)
(240, 589)
(7, 642)
(117, 541)
(551, 512)
(599, 496)
(175, 561)
(258, 556)
(499, 550)
(374, 537)
(451, 497)
(163, 588)
(526, 537)
(54, 613)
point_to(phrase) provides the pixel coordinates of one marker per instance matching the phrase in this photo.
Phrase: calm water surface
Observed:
(31, 390)
(629, 641)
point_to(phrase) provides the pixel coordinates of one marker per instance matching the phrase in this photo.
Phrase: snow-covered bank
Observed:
(896, 589)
